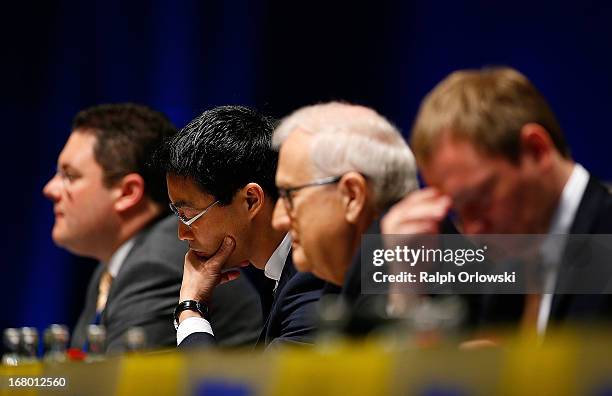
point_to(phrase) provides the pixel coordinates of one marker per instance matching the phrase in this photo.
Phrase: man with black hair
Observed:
(220, 173)
(109, 205)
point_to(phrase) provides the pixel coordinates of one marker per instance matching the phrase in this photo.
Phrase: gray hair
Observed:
(355, 138)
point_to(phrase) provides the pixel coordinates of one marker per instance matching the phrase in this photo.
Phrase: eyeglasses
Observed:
(187, 220)
(66, 178)
(286, 193)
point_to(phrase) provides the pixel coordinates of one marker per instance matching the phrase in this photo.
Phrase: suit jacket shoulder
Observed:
(594, 214)
(147, 287)
(292, 318)
(589, 265)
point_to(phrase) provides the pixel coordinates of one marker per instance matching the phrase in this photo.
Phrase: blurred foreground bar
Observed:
(567, 363)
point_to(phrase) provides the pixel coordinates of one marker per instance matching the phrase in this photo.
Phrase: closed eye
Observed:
(190, 212)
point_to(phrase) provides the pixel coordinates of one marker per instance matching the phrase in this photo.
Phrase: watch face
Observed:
(189, 305)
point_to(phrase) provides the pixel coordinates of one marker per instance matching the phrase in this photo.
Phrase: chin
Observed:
(300, 262)
(327, 277)
(231, 264)
(58, 237)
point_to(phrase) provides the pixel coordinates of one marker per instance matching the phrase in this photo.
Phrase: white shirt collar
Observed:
(117, 259)
(561, 223)
(552, 247)
(276, 262)
(570, 200)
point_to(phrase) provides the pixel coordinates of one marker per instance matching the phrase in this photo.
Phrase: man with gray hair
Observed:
(340, 166)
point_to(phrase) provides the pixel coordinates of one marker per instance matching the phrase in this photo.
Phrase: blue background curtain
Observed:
(186, 56)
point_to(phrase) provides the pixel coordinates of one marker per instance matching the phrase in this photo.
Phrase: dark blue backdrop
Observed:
(183, 57)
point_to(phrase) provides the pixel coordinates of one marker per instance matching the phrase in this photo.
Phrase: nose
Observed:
(53, 189)
(184, 232)
(280, 218)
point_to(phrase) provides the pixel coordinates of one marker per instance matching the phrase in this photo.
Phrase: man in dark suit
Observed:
(110, 206)
(490, 147)
(220, 176)
(582, 268)
(340, 166)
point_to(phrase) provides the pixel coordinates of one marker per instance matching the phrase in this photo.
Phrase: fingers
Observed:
(423, 195)
(421, 212)
(201, 276)
(424, 204)
(229, 276)
(413, 227)
(192, 259)
(217, 261)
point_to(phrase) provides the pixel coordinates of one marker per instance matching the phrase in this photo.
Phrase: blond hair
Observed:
(488, 107)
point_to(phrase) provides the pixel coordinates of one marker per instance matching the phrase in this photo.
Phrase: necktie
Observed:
(103, 288)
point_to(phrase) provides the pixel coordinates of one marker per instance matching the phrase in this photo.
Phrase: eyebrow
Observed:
(182, 203)
(283, 184)
(65, 166)
(467, 195)
(282, 187)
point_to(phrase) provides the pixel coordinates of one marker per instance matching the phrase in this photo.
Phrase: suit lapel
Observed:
(286, 274)
(129, 261)
(88, 314)
(589, 207)
(586, 216)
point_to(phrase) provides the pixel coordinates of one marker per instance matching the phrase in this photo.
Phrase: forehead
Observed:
(457, 163)
(294, 162)
(183, 191)
(78, 151)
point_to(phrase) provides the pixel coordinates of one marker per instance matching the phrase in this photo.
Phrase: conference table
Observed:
(565, 364)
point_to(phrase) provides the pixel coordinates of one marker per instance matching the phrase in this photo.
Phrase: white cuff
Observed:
(190, 326)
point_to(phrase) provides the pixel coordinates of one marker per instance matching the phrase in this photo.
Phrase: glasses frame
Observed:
(64, 179)
(285, 193)
(189, 222)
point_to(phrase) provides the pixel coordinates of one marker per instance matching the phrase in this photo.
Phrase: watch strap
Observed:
(190, 305)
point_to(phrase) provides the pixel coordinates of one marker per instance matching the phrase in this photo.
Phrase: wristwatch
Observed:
(190, 305)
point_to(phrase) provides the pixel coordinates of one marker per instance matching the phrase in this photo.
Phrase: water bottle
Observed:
(56, 339)
(96, 339)
(29, 345)
(12, 339)
(135, 339)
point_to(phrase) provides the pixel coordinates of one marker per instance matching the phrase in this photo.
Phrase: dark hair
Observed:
(223, 150)
(127, 135)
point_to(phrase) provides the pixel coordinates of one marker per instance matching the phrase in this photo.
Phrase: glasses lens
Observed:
(176, 211)
(288, 203)
(65, 183)
(63, 178)
(284, 196)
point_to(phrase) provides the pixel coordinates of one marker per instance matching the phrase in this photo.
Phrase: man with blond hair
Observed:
(492, 151)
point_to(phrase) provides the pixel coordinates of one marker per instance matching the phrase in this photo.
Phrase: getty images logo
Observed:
(411, 256)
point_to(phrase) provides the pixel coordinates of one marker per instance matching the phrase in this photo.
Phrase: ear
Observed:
(536, 146)
(254, 198)
(129, 191)
(354, 189)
